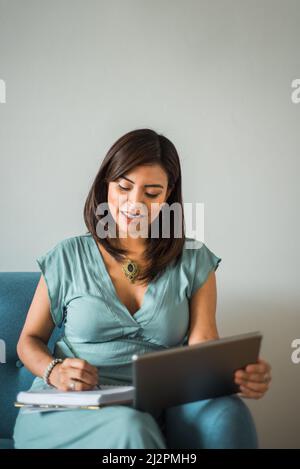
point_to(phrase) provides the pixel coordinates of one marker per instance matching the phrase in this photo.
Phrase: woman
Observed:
(118, 294)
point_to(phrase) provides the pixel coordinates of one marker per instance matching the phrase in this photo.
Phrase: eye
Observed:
(123, 188)
(152, 196)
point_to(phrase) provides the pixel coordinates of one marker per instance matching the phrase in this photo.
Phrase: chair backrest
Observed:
(16, 293)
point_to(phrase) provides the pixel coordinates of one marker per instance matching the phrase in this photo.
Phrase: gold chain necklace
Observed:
(130, 269)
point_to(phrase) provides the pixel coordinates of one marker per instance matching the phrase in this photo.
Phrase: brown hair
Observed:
(135, 148)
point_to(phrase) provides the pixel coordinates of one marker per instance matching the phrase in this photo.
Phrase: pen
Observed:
(54, 406)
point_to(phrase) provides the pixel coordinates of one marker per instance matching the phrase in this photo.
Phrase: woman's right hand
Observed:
(74, 370)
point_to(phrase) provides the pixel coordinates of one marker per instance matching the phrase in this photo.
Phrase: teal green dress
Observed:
(100, 329)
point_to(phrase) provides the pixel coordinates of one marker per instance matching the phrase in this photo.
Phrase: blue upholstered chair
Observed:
(16, 293)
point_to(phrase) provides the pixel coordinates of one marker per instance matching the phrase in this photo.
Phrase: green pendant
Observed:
(130, 269)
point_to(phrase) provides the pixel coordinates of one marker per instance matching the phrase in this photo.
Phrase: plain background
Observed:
(214, 77)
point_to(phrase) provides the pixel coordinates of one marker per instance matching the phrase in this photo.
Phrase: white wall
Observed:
(213, 76)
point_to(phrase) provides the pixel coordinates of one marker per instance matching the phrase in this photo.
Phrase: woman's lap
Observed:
(223, 422)
(111, 427)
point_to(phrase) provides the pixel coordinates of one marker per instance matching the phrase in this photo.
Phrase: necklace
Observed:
(130, 269)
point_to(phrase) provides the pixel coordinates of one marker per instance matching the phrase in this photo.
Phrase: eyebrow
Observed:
(145, 185)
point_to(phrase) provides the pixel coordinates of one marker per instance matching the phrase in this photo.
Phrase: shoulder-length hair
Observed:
(135, 148)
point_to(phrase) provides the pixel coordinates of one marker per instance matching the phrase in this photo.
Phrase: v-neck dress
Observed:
(99, 328)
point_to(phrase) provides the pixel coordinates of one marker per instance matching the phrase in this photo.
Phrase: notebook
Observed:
(52, 397)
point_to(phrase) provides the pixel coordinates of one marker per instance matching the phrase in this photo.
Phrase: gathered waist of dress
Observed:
(116, 352)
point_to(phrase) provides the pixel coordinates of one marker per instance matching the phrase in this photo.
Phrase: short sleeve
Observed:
(203, 262)
(53, 267)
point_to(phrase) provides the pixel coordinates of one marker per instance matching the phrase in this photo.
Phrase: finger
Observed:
(79, 386)
(65, 384)
(252, 394)
(81, 375)
(261, 367)
(78, 373)
(259, 387)
(264, 362)
(81, 364)
(256, 377)
(256, 368)
(90, 368)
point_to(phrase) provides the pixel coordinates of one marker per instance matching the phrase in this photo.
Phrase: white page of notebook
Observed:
(53, 396)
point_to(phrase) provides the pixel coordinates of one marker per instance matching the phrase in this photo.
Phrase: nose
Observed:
(136, 198)
(135, 202)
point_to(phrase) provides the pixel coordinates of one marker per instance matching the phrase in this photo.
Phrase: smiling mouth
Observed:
(131, 216)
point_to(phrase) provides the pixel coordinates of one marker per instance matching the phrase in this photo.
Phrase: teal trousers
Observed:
(223, 422)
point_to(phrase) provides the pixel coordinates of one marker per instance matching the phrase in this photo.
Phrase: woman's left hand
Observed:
(254, 380)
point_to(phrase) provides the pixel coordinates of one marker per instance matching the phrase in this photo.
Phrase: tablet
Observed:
(189, 373)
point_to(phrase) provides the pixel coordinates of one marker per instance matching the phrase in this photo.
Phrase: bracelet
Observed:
(49, 369)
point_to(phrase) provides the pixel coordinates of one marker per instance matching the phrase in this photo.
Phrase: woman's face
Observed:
(139, 192)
